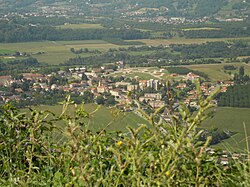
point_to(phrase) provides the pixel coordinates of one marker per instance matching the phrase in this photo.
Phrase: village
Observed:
(114, 84)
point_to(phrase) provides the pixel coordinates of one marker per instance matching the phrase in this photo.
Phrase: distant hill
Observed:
(187, 8)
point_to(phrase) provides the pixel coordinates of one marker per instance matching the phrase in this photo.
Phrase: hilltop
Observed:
(183, 8)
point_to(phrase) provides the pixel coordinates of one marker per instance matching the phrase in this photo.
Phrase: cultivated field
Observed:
(216, 71)
(6, 51)
(56, 52)
(156, 42)
(231, 119)
(141, 73)
(111, 119)
(200, 29)
(80, 26)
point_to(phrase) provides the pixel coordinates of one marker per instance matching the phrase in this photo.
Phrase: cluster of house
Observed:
(226, 157)
(168, 20)
(46, 11)
(97, 81)
(206, 87)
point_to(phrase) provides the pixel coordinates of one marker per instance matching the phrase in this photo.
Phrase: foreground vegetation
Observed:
(224, 119)
(117, 120)
(150, 156)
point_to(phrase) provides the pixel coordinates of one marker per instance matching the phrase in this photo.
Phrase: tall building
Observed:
(153, 84)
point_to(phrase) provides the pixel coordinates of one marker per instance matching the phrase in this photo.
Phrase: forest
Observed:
(213, 50)
(176, 54)
(237, 95)
(15, 67)
(15, 33)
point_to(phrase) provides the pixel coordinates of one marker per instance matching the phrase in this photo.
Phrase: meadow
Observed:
(156, 42)
(201, 28)
(80, 26)
(110, 119)
(143, 157)
(216, 72)
(56, 52)
(6, 51)
(231, 119)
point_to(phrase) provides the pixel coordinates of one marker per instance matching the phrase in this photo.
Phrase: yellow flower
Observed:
(119, 143)
(167, 173)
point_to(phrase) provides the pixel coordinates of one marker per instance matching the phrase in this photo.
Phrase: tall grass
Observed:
(163, 154)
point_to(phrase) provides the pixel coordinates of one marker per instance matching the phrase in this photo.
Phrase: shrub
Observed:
(44, 149)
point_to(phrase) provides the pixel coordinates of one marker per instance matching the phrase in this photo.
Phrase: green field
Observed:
(6, 51)
(117, 120)
(56, 52)
(231, 119)
(156, 42)
(216, 72)
(135, 73)
(141, 76)
(200, 29)
(80, 26)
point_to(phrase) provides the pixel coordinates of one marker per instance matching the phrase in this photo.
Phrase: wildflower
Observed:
(72, 171)
(119, 143)
(167, 173)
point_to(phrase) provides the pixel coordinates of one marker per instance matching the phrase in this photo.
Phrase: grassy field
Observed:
(231, 119)
(56, 52)
(117, 120)
(6, 51)
(142, 76)
(81, 26)
(142, 73)
(156, 42)
(200, 29)
(216, 71)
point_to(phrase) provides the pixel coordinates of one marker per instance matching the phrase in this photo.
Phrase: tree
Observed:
(84, 77)
(110, 101)
(72, 50)
(87, 97)
(100, 100)
(241, 72)
(25, 86)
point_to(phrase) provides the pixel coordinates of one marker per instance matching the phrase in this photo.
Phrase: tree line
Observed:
(15, 33)
(236, 96)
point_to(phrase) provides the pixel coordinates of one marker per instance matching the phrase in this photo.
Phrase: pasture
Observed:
(80, 26)
(141, 73)
(231, 119)
(156, 42)
(110, 119)
(216, 72)
(6, 51)
(56, 52)
(201, 28)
